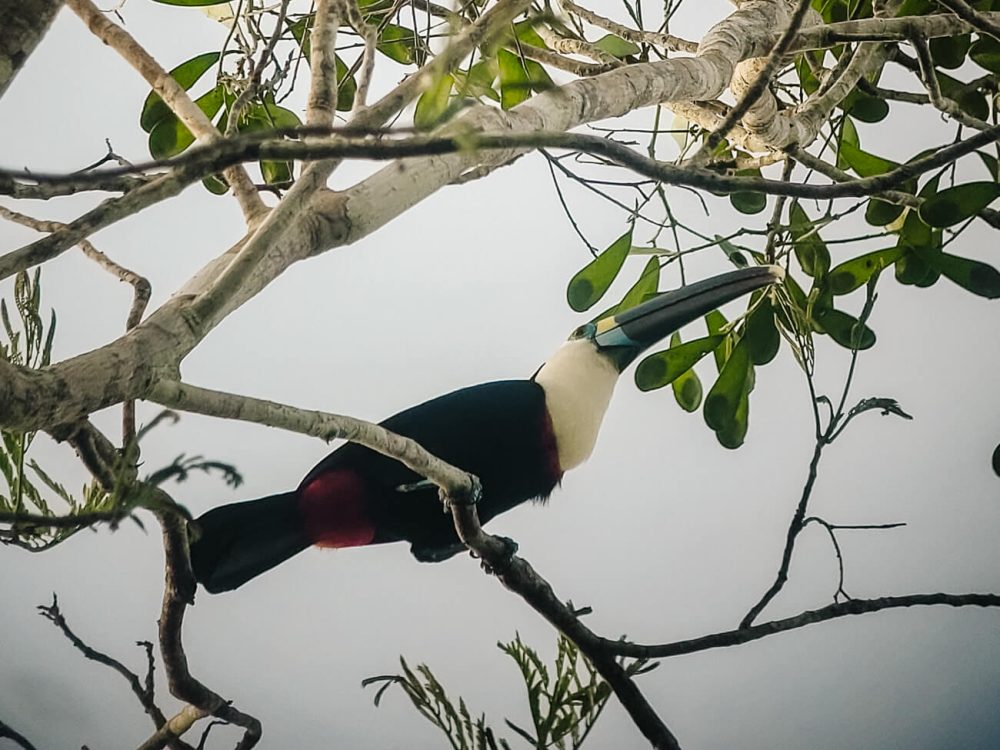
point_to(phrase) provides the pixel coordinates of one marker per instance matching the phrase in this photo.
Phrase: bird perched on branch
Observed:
(517, 436)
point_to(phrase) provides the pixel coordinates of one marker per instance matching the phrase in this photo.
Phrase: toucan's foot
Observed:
(429, 554)
(503, 563)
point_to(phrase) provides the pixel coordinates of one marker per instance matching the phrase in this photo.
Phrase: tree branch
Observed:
(144, 692)
(184, 397)
(23, 23)
(829, 612)
(172, 94)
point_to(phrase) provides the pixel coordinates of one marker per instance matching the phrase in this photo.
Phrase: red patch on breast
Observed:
(333, 509)
(550, 448)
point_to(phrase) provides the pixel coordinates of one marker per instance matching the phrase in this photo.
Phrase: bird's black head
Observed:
(623, 337)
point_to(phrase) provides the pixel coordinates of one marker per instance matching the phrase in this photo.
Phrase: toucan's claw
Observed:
(504, 562)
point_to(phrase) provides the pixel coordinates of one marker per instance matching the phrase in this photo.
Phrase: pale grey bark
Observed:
(23, 23)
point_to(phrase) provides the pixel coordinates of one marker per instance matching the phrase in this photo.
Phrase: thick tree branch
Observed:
(984, 22)
(322, 102)
(751, 91)
(517, 575)
(23, 23)
(184, 397)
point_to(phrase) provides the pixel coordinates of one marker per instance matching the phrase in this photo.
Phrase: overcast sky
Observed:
(663, 532)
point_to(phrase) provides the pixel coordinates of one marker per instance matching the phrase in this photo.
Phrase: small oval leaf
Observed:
(186, 74)
(723, 398)
(735, 432)
(979, 278)
(687, 391)
(811, 251)
(845, 329)
(170, 136)
(956, 204)
(592, 281)
(616, 46)
(852, 274)
(748, 202)
(761, 334)
(879, 213)
(662, 368)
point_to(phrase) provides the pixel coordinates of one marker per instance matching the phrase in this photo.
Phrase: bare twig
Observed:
(669, 41)
(8, 732)
(830, 612)
(144, 691)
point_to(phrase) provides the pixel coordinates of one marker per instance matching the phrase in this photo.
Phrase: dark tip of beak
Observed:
(629, 333)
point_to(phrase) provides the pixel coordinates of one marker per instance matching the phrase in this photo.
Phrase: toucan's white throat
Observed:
(578, 382)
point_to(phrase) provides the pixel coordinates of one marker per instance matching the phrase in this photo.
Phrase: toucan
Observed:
(517, 436)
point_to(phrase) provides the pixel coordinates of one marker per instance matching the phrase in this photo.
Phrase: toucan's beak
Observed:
(624, 336)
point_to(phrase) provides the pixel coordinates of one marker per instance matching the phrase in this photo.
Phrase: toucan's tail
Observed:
(234, 543)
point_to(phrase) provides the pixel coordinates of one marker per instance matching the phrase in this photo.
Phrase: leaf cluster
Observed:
(565, 699)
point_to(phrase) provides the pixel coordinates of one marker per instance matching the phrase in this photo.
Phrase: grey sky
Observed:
(664, 533)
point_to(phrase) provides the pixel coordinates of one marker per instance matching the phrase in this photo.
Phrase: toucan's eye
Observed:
(586, 331)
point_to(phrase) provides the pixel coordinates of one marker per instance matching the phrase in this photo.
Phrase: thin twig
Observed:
(830, 612)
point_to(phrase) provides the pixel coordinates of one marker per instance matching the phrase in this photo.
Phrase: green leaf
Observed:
(592, 281)
(956, 204)
(715, 321)
(276, 172)
(687, 391)
(525, 32)
(950, 51)
(734, 433)
(186, 74)
(215, 184)
(913, 270)
(170, 136)
(914, 7)
(402, 45)
(643, 288)
(855, 273)
(971, 101)
(986, 54)
(724, 396)
(865, 164)
(761, 334)
(864, 107)
(662, 368)
(732, 251)
(848, 135)
(515, 83)
(811, 251)
(748, 202)
(433, 103)
(992, 164)
(478, 80)
(979, 278)
(880, 213)
(347, 87)
(845, 329)
(616, 46)
(807, 79)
